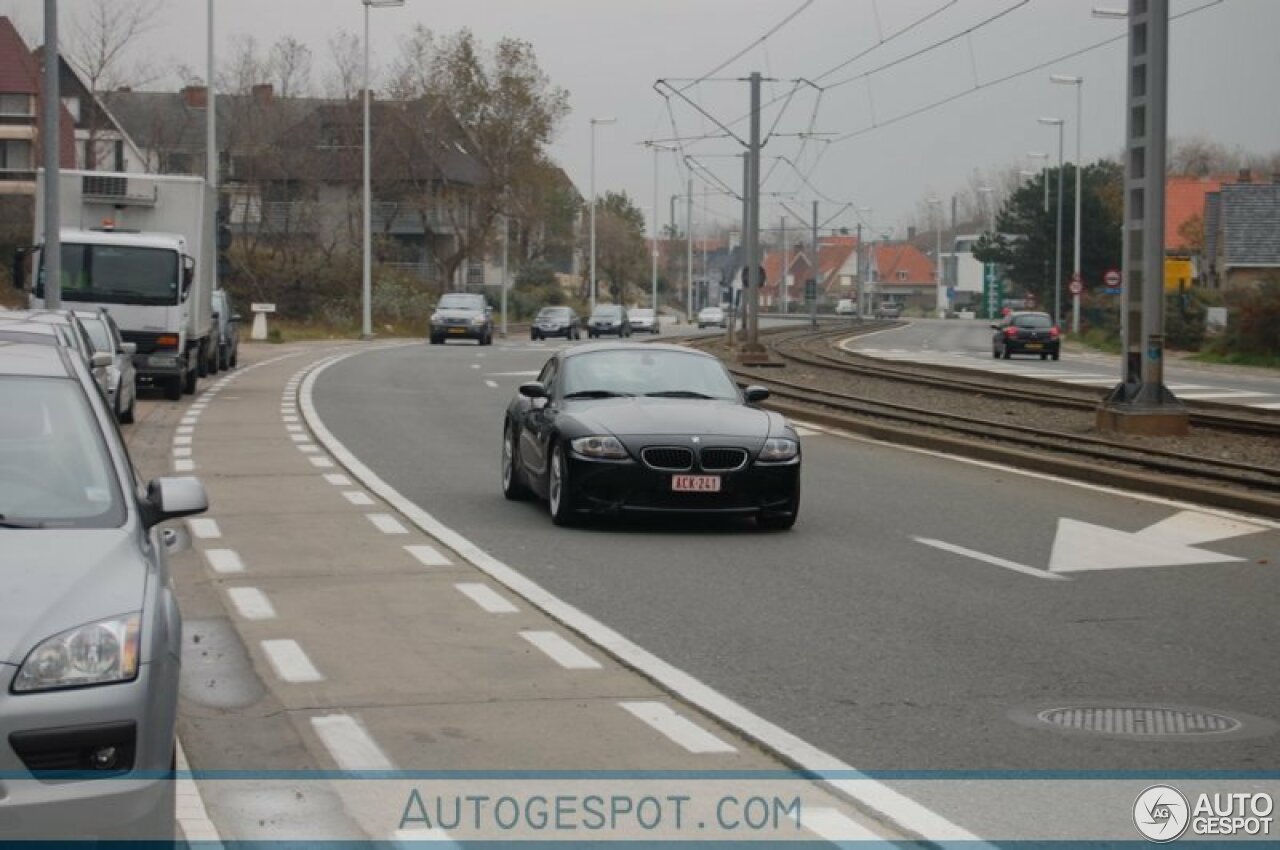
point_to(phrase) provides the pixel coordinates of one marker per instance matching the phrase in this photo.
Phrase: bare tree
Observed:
(290, 67)
(346, 79)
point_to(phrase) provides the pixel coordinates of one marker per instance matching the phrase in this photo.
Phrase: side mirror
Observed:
(755, 393)
(188, 272)
(533, 389)
(129, 348)
(101, 359)
(170, 498)
(995, 327)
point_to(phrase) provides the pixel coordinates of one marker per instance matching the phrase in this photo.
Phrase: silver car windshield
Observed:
(647, 372)
(459, 301)
(55, 470)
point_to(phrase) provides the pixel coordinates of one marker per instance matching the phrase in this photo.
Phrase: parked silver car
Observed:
(72, 334)
(90, 631)
(227, 328)
(122, 377)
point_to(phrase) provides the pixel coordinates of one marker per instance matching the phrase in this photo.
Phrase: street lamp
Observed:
(594, 122)
(1076, 272)
(1057, 273)
(366, 324)
(937, 256)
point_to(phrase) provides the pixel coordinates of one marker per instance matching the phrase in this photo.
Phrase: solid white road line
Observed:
(224, 561)
(252, 603)
(290, 662)
(322, 463)
(428, 556)
(903, 811)
(832, 825)
(493, 385)
(561, 651)
(191, 814)
(387, 524)
(351, 747)
(677, 727)
(486, 598)
(990, 559)
(203, 528)
(1230, 394)
(184, 465)
(1272, 406)
(357, 497)
(337, 479)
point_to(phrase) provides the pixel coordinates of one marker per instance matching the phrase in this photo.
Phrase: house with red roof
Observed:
(837, 273)
(21, 117)
(902, 273)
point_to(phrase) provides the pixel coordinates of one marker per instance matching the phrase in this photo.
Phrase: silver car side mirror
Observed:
(101, 359)
(170, 498)
(129, 348)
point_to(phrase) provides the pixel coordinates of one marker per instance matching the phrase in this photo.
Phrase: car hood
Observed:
(51, 581)
(651, 417)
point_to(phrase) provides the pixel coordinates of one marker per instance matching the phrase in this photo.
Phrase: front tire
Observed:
(513, 487)
(173, 388)
(558, 498)
(1008, 355)
(189, 381)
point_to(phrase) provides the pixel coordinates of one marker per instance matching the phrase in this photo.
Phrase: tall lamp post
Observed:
(1057, 270)
(1076, 272)
(366, 324)
(594, 123)
(936, 203)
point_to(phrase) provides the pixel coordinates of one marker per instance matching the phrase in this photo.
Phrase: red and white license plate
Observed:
(695, 483)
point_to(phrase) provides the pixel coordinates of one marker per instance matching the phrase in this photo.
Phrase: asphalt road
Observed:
(848, 631)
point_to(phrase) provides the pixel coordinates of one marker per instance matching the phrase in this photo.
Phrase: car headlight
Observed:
(94, 654)
(435, 318)
(778, 449)
(478, 320)
(608, 448)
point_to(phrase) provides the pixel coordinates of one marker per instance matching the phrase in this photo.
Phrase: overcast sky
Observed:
(608, 53)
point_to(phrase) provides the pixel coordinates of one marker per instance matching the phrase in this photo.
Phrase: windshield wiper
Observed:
(17, 523)
(679, 394)
(599, 394)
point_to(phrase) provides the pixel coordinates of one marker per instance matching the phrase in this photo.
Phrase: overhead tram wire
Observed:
(1009, 77)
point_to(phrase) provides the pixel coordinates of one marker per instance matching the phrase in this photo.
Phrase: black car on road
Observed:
(462, 315)
(1026, 333)
(555, 321)
(627, 428)
(609, 320)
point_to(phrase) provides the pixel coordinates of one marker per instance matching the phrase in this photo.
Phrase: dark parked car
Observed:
(227, 322)
(90, 631)
(1026, 333)
(644, 429)
(555, 321)
(462, 315)
(609, 320)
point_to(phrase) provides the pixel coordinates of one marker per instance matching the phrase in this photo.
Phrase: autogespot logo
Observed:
(1161, 813)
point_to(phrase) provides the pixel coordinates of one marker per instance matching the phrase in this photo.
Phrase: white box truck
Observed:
(139, 245)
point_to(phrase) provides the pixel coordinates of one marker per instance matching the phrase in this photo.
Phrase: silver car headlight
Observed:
(435, 318)
(606, 448)
(94, 654)
(478, 320)
(778, 450)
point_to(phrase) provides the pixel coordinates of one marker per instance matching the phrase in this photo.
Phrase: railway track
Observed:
(1226, 482)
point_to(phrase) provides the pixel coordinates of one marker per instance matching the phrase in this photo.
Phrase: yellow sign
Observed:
(1178, 272)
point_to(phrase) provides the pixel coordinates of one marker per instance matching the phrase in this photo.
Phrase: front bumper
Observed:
(606, 330)
(460, 331)
(78, 803)
(1024, 346)
(563, 331)
(159, 364)
(630, 487)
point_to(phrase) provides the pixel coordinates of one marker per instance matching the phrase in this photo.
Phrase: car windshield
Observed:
(607, 313)
(118, 274)
(54, 467)
(461, 301)
(1033, 321)
(647, 372)
(98, 334)
(553, 313)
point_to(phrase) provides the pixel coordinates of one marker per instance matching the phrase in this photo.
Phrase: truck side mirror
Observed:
(188, 273)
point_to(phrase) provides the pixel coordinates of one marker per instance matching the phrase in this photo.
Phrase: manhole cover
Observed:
(1139, 721)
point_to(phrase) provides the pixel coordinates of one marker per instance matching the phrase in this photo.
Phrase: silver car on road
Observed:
(90, 631)
(122, 377)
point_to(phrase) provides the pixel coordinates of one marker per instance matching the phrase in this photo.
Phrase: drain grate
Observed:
(1139, 721)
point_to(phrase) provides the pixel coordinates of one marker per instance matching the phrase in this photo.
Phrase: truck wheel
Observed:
(173, 388)
(202, 362)
(189, 381)
(235, 358)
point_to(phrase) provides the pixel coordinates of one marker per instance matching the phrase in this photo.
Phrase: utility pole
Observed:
(688, 260)
(786, 265)
(1142, 404)
(736, 300)
(51, 132)
(752, 277)
(506, 251)
(862, 282)
(211, 154)
(817, 271)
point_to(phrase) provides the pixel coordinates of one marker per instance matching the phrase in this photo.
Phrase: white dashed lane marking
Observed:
(184, 465)
(203, 528)
(252, 603)
(225, 561)
(428, 556)
(321, 463)
(350, 746)
(290, 663)
(486, 598)
(337, 479)
(387, 524)
(677, 727)
(561, 651)
(357, 497)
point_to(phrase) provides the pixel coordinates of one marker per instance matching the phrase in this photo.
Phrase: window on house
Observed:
(16, 104)
(72, 104)
(15, 155)
(902, 275)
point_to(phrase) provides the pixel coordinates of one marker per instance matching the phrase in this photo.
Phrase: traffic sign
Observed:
(1076, 287)
(761, 279)
(1112, 278)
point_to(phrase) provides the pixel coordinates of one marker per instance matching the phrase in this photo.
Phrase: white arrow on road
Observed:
(1172, 542)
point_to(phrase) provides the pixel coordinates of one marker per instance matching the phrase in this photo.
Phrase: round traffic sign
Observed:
(1076, 287)
(1112, 278)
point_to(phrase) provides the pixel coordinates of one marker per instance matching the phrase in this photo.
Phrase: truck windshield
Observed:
(118, 274)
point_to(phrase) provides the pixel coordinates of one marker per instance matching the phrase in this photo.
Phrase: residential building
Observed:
(21, 116)
(1242, 233)
(901, 272)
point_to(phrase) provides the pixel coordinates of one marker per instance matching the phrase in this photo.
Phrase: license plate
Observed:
(695, 483)
(1034, 345)
(457, 330)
